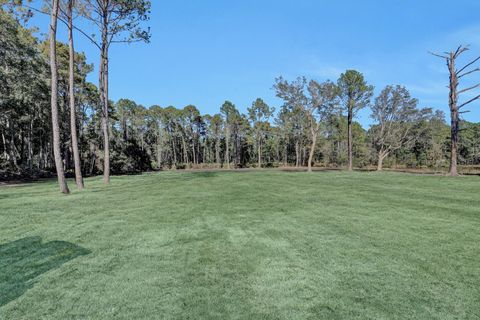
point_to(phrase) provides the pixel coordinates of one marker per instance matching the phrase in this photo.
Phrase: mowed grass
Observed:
(243, 245)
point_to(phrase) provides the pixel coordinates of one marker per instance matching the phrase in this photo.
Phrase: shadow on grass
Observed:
(205, 174)
(23, 260)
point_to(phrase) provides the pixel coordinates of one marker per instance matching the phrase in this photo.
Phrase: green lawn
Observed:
(243, 245)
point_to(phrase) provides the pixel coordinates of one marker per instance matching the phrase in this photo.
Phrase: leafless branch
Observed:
(66, 23)
(468, 89)
(438, 55)
(469, 72)
(468, 65)
(469, 101)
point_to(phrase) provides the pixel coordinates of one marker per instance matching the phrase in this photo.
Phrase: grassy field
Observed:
(243, 245)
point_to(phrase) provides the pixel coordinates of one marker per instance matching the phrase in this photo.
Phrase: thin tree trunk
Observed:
(194, 152)
(54, 92)
(159, 149)
(227, 147)
(217, 151)
(93, 159)
(30, 146)
(185, 152)
(12, 156)
(5, 155)
(350, 137)
(259, 154)
(174, 153)
(312, 150)
(103, 83)
(297, 154)
(105, 120)
(159, 157)
(73, 120)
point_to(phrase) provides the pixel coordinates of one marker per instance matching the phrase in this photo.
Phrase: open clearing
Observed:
(243, 245)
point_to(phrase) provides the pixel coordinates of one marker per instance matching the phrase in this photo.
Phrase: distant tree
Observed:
(395, 114)
(171, 127)
(294, 96)
(469, 144)
(192, 122)
(157, 117)
(285, 127)
(456, 74)
(323, 103)
(355, 94)
(259, 114)
(216, 128)
(316, 100)
(228, 111)
(24, 99)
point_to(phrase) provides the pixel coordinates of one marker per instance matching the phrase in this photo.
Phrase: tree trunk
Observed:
(227, 148)
(312, 150)
(73, 120)
(174, 153)
(30, 146)
(350, 136)
(194, 152)
(185, 152)
(381, 156)
(259, 154)
(12, 156)
(93, 158)
(454, 143)
(159, 150)
(103, 84)
(453, 100)
(5, 155)
(54, 92)
(297, 154)
(217, 151)
(159, 157)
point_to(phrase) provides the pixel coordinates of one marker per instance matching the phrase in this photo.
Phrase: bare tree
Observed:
(456, 74)
(54, 93)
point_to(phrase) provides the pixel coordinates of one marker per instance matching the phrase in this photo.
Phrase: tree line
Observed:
(53, 119)
(117, 21)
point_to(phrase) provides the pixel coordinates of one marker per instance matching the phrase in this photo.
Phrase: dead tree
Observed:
(456, 74)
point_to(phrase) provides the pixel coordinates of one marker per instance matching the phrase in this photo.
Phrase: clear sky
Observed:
(204, 52)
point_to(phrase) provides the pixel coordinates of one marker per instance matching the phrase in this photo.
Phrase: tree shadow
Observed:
(23, 260)
(205, 174)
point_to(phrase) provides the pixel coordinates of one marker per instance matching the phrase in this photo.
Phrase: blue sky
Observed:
(206, 52)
